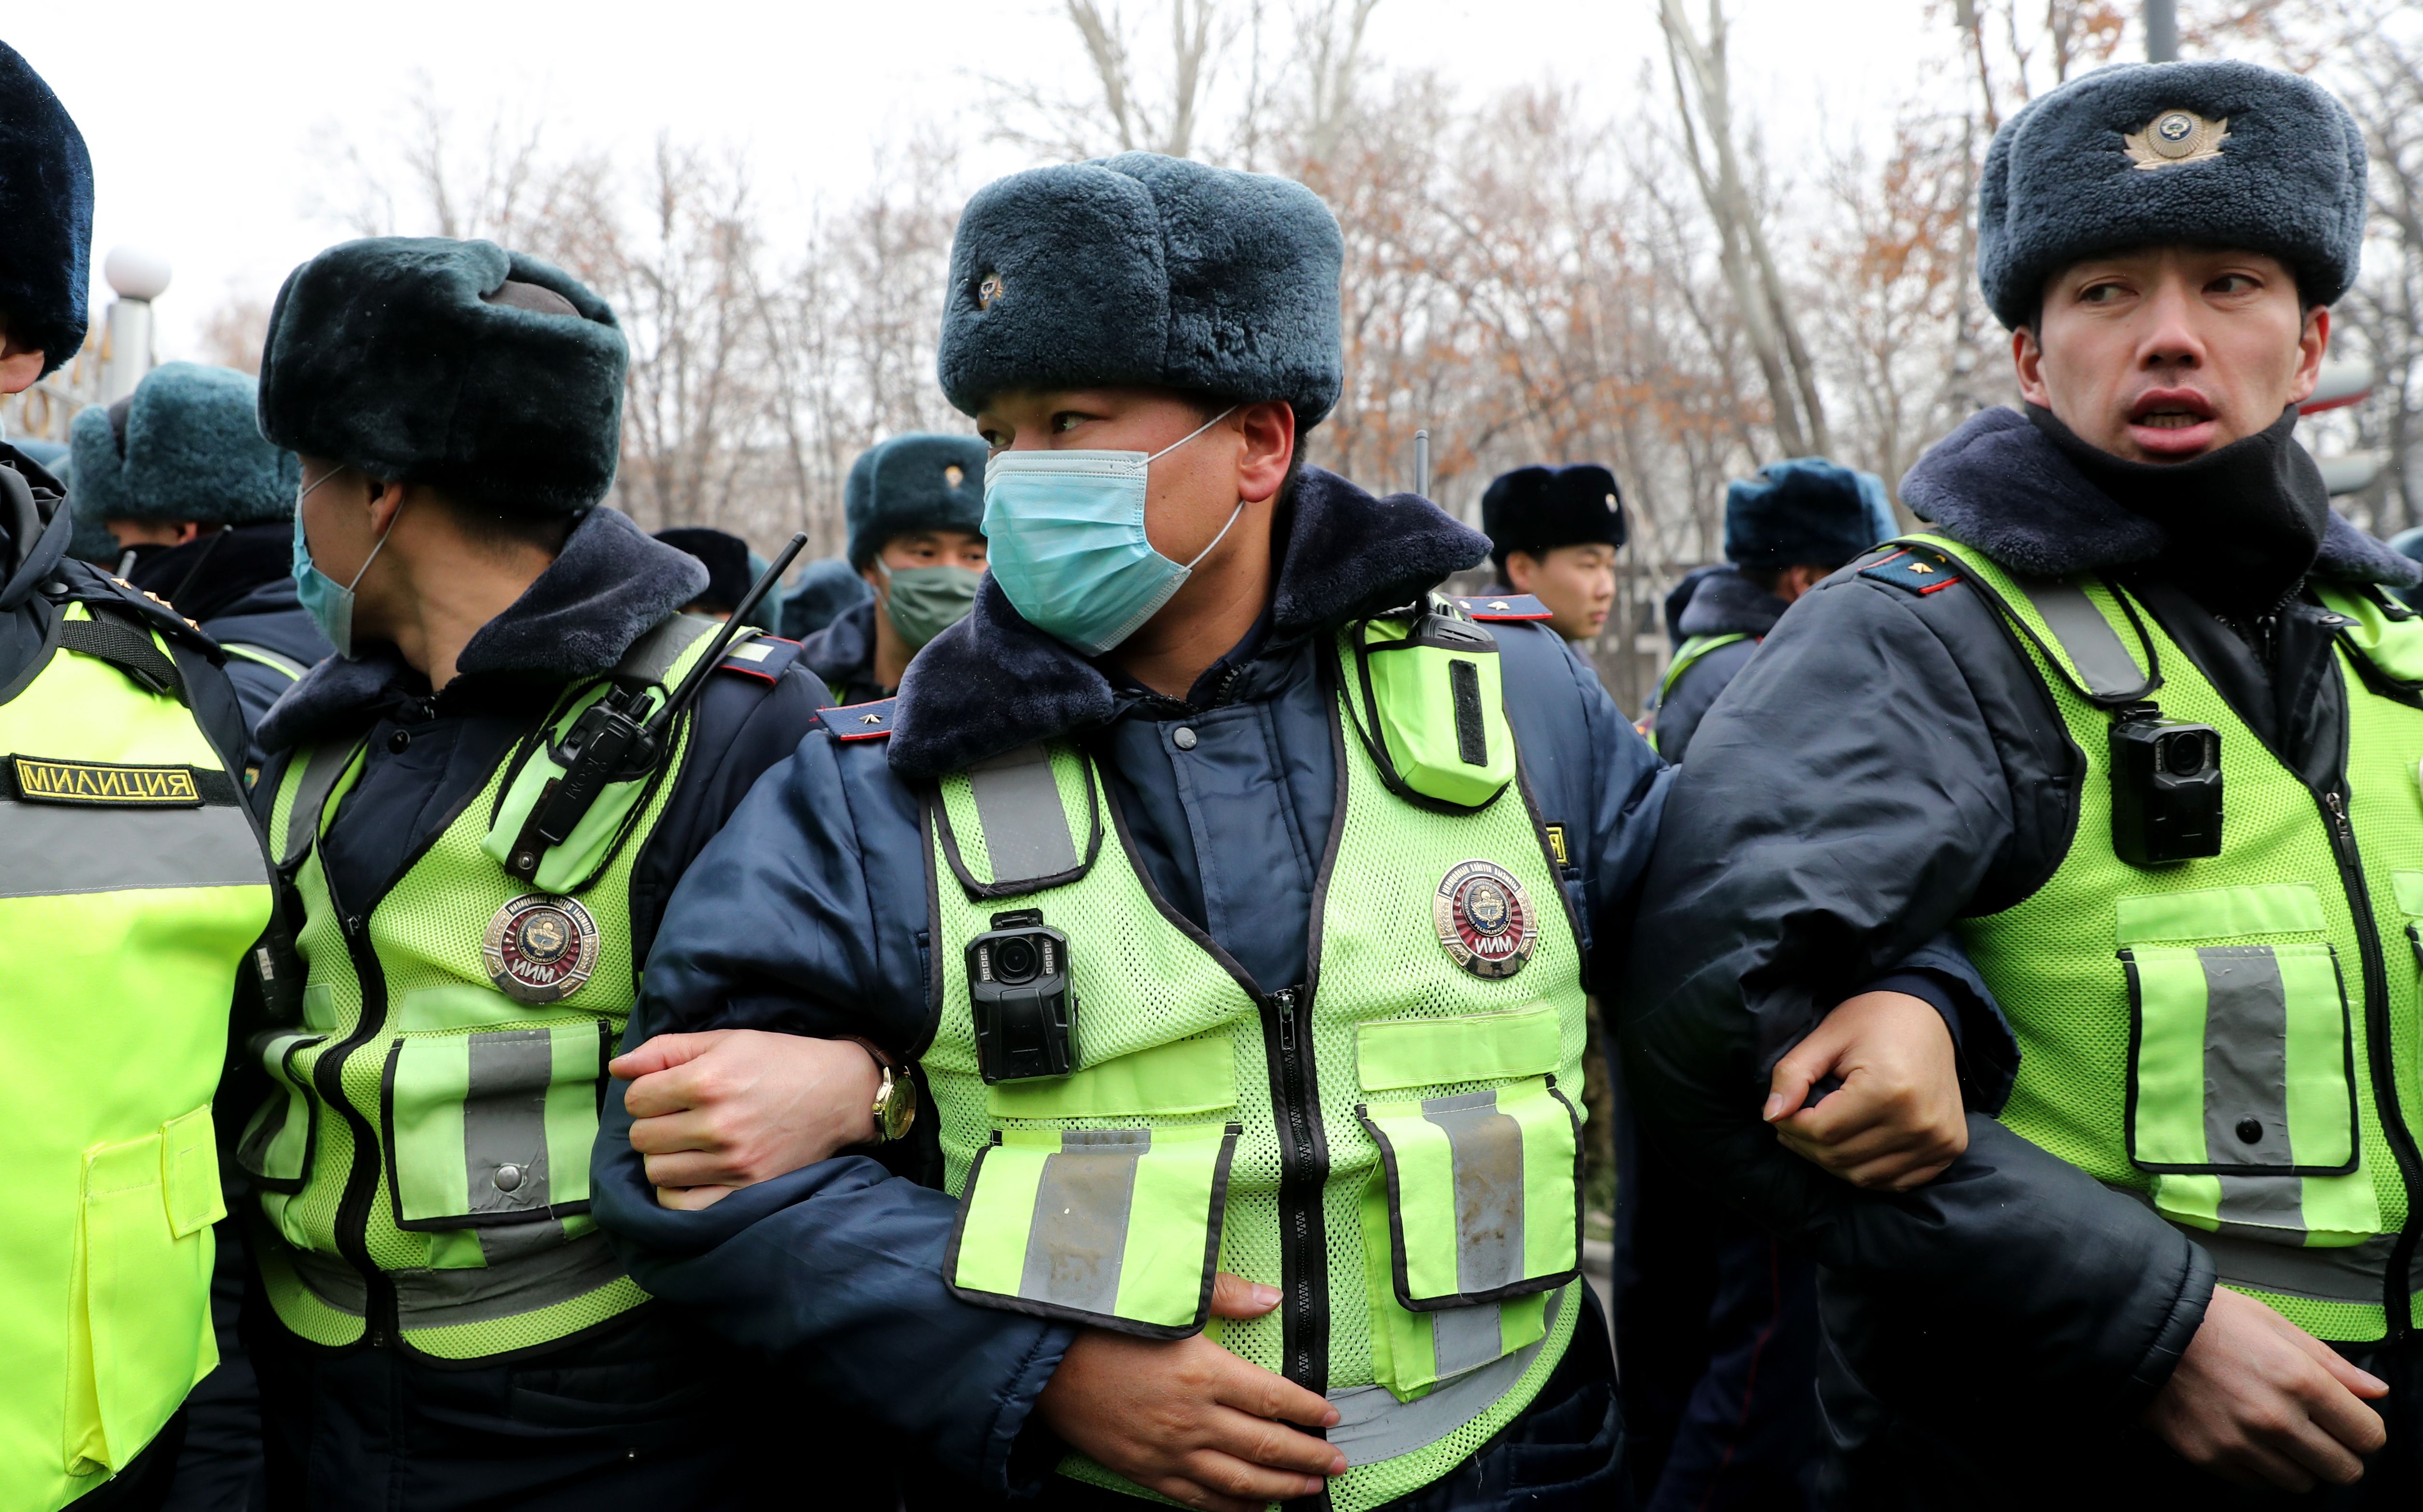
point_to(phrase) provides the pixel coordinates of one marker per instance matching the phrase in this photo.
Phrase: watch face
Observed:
(897, 1108)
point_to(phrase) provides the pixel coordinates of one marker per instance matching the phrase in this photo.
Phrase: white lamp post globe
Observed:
(134, 273)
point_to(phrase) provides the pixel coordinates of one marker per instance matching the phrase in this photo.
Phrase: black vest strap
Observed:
(124, 645)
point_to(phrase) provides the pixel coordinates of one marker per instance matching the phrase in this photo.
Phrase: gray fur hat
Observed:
(483, 373)
(921, 481)
(2219, 154)
(183, 445)
(1804, 512)
(1145, 270)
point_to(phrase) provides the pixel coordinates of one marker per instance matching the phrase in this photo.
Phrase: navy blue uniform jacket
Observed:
(808, 915)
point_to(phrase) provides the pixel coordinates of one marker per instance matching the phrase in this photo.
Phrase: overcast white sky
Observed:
(202, 119)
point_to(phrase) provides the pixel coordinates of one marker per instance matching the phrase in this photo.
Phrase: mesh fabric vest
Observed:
(1316, 1137)
(133, 885)
(424, 1159)
(2214, 1035)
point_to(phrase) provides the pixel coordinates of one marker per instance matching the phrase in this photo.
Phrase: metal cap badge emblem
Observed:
(2176, 137)
(541, 948)
(1484, 919)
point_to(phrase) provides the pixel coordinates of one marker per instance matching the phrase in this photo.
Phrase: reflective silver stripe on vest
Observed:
(1018, 803)
(2093, 647)
(444, 1298)
(1486, 1147)
(320, 774)
(504, 1120)
(2339, 1274)
(54, 850)
(1072, 1255)
(2245, 1063)
(266, 657)
(1373, 1426)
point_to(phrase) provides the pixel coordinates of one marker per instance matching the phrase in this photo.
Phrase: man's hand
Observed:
(1189, 1420)
(1897, 1120)
(733, 1107)
(2258, 1400)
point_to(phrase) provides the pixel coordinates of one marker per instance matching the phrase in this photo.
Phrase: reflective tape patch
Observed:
(2240, 1060)
(1483, 1193)
(1117, 1227)
(56, 849)
(103, 783)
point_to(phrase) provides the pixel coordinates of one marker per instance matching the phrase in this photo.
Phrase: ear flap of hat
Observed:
(45, 215)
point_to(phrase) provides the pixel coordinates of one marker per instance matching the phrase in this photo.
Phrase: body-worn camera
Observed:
(1018, 981)
(2165, 788)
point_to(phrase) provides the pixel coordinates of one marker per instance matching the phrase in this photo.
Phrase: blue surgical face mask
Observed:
(1066, 540)
(328, 602)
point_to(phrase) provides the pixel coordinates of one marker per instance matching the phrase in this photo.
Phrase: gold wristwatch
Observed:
(896, 1101)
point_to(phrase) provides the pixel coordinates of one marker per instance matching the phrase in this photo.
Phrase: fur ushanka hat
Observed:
(1149, 271)
(46, 214)
(1536, 508)
(183, 445)
(1804, 512)
(921, 481)
(2216, 154)
(484, 374)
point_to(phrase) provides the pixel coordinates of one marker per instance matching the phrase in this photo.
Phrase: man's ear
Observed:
(1522, 569)
(1268, 432)
(2027, 359)
(2313, 344)
(387, 500)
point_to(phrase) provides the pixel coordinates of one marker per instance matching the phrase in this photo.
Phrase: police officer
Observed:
(1786, 528)
(438, 1320)
(178, 473)
(915, 509)
(135, 886)
(1210, 755)
(2133, 601)
(1552, 534)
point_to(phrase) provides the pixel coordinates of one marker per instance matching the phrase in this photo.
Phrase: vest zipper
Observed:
(1304, 1170)
(2395, 1302)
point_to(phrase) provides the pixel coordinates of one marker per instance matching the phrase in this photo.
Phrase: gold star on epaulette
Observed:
(1499, 604)
(1919, 567)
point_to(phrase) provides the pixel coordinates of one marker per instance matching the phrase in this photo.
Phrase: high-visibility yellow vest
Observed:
(2218, 1035)
(132, 885)
(1394, 1142)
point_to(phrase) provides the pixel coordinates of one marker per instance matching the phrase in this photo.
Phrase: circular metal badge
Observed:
(541, 948)
(1484, 919)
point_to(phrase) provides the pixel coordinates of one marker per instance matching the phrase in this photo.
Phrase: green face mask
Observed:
(927, 600)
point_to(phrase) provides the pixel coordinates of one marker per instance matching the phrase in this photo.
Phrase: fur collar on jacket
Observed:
(2000, 485)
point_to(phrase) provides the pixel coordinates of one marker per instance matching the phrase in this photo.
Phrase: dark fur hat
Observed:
(183, 445)
(481, 373)
(46, 214)
(922, 482)
(824, 589)
(2218, 154)
(725, 555)
(1145, 270)
(1538, 508)
(1806, 512)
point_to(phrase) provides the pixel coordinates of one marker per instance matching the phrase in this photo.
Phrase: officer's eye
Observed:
(2234, 283)
(1067, 420)
(2102, 293)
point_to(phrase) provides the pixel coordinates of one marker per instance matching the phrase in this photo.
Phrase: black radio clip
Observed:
(1018, 986)
(2165, 787)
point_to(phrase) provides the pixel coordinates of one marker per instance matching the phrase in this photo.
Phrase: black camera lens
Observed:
(1015, 959)
(2183, 755)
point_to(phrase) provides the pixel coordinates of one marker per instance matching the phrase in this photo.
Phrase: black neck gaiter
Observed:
(2244, 522)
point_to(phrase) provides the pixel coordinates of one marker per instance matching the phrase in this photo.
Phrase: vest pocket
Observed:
(139, 1327)
(1483, 1193)
(1114, 1227)
(280, 1137)
(492, 1127)
(2240, 1060)
(1475, 1217)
